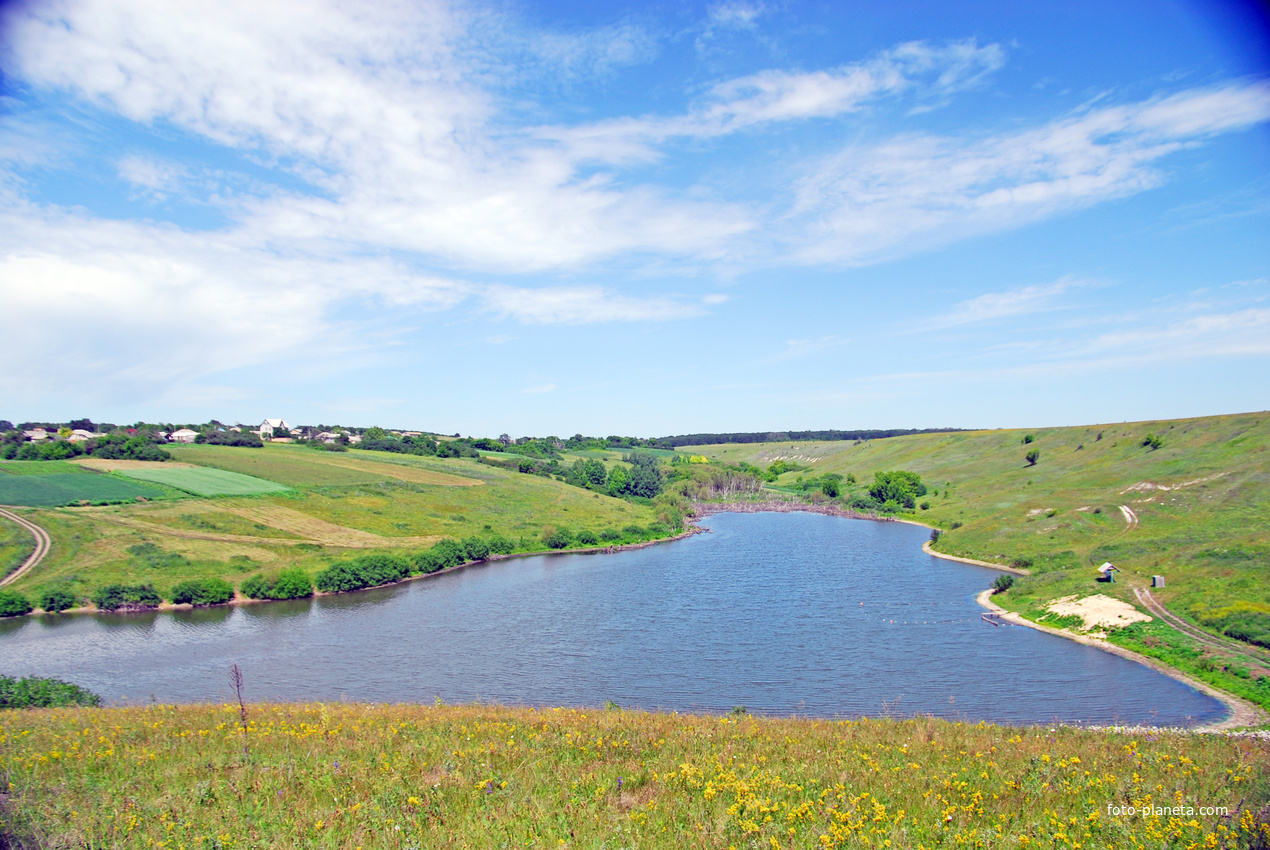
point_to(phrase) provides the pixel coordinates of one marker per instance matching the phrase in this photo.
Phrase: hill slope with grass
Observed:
(1187, 499)
(349, 775)
(284, 508)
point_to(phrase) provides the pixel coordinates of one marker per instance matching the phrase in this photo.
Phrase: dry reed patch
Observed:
(401, 472)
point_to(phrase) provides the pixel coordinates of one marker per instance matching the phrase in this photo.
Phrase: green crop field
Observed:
(204, 481)
(66, 488)
(40, 467)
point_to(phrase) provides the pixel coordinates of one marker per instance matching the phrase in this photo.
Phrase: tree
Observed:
(1152, 442)
(831, 484)
(374, 433)
(617, 481)
(1033, 456)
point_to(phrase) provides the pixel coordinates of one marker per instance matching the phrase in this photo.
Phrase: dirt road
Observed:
(42, 546)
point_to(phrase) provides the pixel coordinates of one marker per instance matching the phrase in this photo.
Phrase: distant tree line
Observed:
(791, 436)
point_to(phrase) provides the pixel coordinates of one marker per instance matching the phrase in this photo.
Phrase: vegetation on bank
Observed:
(35, 692)
(347, 775)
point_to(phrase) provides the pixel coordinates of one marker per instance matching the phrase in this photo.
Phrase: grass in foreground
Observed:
(420, 776)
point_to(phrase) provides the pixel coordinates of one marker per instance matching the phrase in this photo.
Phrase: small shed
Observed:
(1157, 581)
(1107, 572)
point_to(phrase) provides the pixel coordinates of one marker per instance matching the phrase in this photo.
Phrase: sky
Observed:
(634, 218)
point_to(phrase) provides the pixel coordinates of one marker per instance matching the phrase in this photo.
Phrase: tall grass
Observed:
(349, 775)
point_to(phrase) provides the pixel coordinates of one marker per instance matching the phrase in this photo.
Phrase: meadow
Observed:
(354, 775)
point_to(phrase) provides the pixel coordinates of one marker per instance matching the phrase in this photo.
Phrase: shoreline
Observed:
(239, 599)
(1243, 714)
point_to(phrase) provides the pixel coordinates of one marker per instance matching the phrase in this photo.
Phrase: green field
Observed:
(203, 481)
(40, 467)
(68, 488)
(347, 775)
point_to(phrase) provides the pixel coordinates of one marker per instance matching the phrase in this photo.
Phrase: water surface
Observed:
(782, 613)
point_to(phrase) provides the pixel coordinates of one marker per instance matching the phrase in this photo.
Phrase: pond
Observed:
(783, 613)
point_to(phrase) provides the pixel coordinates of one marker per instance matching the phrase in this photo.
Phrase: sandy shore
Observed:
(1242, 712)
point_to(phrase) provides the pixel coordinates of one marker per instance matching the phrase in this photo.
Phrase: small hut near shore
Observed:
(1106, 572)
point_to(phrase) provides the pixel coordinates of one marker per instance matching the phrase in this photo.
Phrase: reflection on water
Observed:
(782, 613)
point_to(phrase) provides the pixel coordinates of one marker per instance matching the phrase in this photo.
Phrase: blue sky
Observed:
(642, 218)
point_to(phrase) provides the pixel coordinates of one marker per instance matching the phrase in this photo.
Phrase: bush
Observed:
(588, 538)
(34, 692)
(126, 597)
(1032, 457)
(14, 604)
(501, 545)
(1152, 442)
(203, 591)
(293, 583)
(559, 539)
(245, 439)
(610, 534)
(57, 599)
(1027, 438)
(934, 535)
(366, 571)
(476, 548)
(925, 506)
(1003, 583)
(446, 553)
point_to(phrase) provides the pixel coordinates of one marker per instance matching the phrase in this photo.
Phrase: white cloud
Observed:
(869, 203)
(572, 305)
(152, 177)
(541, 388)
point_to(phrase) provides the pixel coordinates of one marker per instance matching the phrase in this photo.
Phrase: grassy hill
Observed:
(348, 775)
(1198, 513)
(310, 509)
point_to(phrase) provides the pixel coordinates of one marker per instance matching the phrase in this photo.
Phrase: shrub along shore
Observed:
(364, 572)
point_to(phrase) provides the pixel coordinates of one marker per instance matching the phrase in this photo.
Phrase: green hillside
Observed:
(310, 509)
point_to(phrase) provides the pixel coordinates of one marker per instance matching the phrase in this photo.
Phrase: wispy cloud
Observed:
(539, 389)
(1000, 305)
(574, 305)
(869, 203)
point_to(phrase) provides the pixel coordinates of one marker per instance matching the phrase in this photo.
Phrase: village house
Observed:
(184, 435)
(36, 435)
(271, 426)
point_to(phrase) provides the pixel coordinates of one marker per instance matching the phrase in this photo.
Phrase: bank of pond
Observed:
(782, 613)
